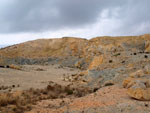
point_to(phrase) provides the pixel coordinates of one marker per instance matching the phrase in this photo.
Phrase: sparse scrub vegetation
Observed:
(18, 102)
(117, 54)
(17, 67)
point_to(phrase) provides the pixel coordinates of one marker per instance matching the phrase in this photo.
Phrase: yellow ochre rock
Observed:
(97, 61)
(147, 46)
(139, 93)
(138, 87)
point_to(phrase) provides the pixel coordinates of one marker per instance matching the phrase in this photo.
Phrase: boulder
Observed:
(138, 86)
(139, 93)
(136, 83)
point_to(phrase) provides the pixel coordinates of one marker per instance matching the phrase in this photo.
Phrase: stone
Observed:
(139, 93)
(130, 66)
(138, 84)
(138, 88)
(126, 83)
(147, 69)
(78, 64)
(97, 61)
(130, 82)
(147, 47)
(138, 73)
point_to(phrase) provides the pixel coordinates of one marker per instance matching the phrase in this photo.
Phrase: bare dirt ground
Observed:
(33, 76)
(112, 99)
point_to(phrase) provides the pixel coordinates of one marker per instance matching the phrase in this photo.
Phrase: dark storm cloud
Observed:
(41, 15)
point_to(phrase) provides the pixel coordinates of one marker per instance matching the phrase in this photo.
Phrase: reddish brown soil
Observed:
(102, 100)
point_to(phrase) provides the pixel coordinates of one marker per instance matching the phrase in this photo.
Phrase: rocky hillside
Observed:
(105, 63)
(75, 48)
(46, 48)
(69, 46)
(106, 57)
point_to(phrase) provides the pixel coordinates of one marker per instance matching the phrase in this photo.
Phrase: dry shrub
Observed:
(12, 66)
(18, 102)
(6, 99)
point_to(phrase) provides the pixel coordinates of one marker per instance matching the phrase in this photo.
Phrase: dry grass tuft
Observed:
(18, 102)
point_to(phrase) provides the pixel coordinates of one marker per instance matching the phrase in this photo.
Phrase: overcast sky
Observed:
(23, 20)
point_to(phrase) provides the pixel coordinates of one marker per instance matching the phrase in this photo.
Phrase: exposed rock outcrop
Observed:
(138, 85)
(107, 64)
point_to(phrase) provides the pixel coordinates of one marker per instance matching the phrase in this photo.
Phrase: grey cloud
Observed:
(135, 17)
(48, 15)
(42, 15)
